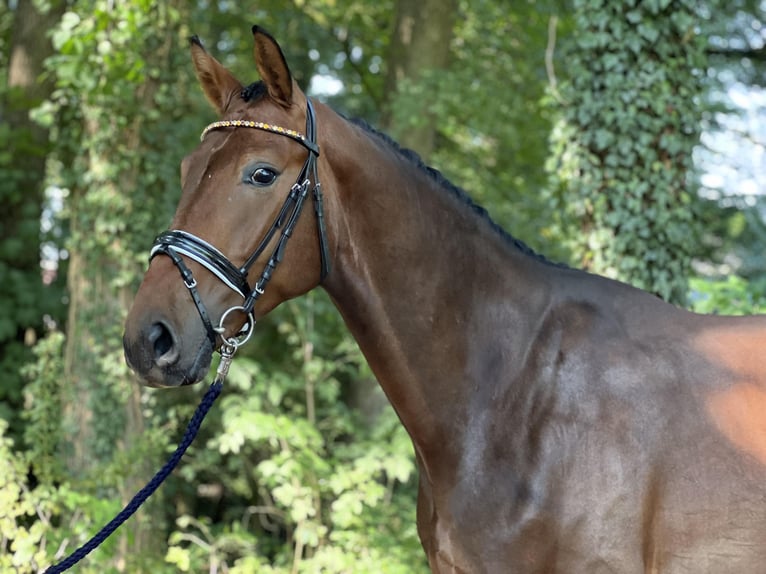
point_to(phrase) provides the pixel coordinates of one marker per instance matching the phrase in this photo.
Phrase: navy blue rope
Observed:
(151, 486)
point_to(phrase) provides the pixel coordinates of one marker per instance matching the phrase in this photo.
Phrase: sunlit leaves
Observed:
(327, 483)
(728, 296)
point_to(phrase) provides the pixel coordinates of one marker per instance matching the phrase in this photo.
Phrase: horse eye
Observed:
(262, 176)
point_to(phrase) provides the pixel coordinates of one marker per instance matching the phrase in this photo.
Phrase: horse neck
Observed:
(419, 279)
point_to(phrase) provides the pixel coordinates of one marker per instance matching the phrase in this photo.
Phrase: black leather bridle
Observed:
(174, 243)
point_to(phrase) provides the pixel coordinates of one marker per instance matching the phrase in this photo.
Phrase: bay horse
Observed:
(562, 422)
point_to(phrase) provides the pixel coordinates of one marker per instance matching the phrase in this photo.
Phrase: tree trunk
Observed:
(420, 49)
(27, 88)
(23, 293)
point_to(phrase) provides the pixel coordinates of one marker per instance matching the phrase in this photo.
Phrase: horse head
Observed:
(243, 190)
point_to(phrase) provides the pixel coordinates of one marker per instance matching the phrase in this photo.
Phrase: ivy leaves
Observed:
(623, 151)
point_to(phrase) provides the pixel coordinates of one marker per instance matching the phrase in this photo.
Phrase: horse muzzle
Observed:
(163, 358)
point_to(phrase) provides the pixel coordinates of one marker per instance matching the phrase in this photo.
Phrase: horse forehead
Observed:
(211, 155)
(223, 149)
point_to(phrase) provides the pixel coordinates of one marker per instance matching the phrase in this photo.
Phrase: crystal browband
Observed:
(297, 136)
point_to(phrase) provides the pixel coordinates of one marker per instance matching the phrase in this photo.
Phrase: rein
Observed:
(174, 244)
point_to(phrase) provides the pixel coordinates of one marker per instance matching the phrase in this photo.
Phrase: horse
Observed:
(562, 422)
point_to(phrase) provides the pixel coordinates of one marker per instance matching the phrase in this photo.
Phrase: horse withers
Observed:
(562, 422)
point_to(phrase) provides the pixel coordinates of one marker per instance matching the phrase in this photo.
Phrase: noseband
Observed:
(175, 243)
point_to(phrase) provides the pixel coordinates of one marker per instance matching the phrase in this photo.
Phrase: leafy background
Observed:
(574, 123)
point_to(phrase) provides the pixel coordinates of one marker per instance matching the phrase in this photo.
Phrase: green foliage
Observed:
(310, 485)
(24, 299)
(287, 475)
(40, 513)
(42, 413)
(20, 545)
(112, 89)
(622, 153)
(6, 25)
(492, 126)
(731, 295)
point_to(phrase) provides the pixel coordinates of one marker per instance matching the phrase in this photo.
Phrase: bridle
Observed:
(175, 242)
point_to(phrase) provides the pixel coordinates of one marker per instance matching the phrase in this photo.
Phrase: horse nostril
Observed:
(165, 352)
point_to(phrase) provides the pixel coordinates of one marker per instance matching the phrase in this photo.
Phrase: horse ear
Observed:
(218, 84)
(272, 67)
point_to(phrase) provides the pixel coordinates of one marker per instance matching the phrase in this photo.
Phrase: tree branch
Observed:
(758, 54)
(550, 49)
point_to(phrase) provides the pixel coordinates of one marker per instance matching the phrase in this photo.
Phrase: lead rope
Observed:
(228, 349)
